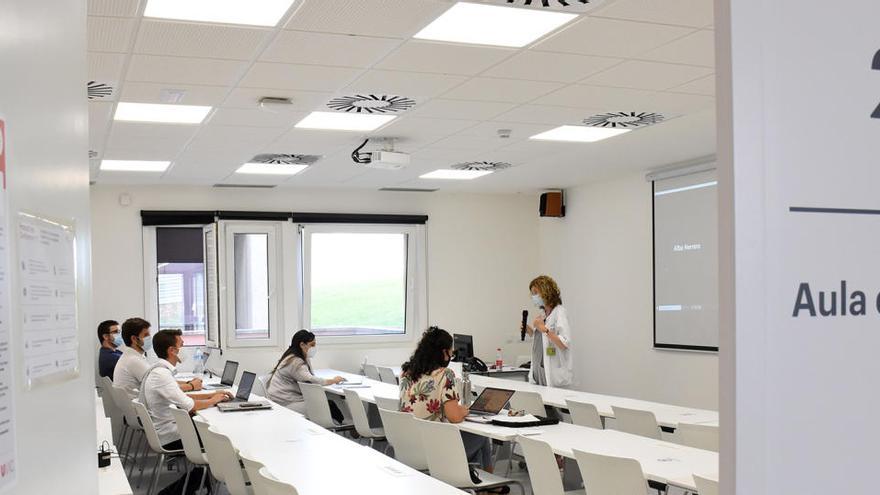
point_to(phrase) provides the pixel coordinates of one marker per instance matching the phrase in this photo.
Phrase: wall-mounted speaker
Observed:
(552, 205)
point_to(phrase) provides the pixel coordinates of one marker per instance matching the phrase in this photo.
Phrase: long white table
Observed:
(316, 461)
(111, 479)
(664, 462)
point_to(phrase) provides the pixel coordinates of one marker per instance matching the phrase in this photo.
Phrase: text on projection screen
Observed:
(686, 261)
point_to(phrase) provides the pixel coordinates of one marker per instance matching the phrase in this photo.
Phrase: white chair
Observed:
(403, 434)
(154, 443)
(318, 409)
(706, 486)
(252, 468)
(224, 461)
(191, 445)
(636, 422)
(584, 414)
(359, 415)
(133, 425)
(386, 375)
(607, 475)
(699, 436)
(543, 470)
(388, 403)
(530, 402)
(447, 460)
(209, 441)
(372, 372)
(275, 487)
(263, 388)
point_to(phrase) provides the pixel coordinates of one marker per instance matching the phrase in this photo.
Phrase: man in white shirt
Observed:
(160, 391)
(130, 368)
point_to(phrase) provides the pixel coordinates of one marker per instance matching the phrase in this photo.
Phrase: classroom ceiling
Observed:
(623, 56)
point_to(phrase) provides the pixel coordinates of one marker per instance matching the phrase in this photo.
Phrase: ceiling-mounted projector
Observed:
(386, 159)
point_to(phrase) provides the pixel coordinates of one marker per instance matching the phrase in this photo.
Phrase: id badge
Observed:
(551, 350)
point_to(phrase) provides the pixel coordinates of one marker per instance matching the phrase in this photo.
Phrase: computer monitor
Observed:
(464, 346)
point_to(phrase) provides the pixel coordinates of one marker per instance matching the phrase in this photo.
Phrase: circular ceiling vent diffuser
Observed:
(98, 91)
(482, 166)
(285, 159)
(624, 120)
(371, 103)
(576, 6)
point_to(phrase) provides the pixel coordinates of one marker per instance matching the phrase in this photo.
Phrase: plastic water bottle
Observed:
(364, 366)
(499, 361)
(466, 395)
(198, 362)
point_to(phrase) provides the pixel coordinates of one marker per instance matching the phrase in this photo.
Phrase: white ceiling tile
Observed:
(187, 39)
(114, 8)
(253, 179)
(468, 145)
(695, 49)
(184, 70)
(106, 67)
(300, 100)
(303, 77)
(254, 117)
(461, 109)
(391, 18)
(509, 90)
(298, 47)
(310, 142)
(546, 114)
(110, 34)
(411, 84)
(416, 126)
(142, 92)
(704, 86)
(233, 140)
(676, 103)
(548, 66)
(489, 131)
(637, 74)
(696, 13)
(594, 97)
(444, 58)
(148, 141)
(611, 37)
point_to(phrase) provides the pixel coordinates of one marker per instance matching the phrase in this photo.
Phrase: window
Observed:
(180, 282)
(361, 281)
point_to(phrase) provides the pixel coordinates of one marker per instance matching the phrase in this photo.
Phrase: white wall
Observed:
(42, 99)
(481, 256)
(600, 254)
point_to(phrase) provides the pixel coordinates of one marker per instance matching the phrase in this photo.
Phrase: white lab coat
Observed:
(558, 368)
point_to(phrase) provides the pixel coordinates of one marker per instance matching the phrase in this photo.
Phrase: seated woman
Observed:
(427, 390)
(294, 367)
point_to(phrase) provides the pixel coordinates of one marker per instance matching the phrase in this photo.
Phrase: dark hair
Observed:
(164, 340)
(133, 327)
(300, 337)
(104, 329)
(428, 355)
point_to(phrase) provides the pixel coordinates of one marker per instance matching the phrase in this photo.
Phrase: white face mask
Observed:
(117, 340)
(536, 299)
(312, 352)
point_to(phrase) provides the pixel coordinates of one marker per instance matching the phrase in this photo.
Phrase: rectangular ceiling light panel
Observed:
(160, 113)
(246, 12)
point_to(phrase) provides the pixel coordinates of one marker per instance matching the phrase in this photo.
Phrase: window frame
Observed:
(415, 312)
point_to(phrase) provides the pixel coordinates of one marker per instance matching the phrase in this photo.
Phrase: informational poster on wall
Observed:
(7, 412)
(47, 296)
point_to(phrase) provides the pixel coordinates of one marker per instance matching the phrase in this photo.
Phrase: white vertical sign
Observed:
(7, 411)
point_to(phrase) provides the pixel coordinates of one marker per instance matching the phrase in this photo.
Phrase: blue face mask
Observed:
(536, 299)
(148, 343)
(117, 340)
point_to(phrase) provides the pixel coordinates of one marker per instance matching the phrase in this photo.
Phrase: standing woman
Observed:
(295, 366)
(551, 348)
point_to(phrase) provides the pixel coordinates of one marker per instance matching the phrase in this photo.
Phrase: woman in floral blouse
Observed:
(427, 390)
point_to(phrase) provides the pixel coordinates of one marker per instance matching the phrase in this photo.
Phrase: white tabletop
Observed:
(315, 460)
(111, 479)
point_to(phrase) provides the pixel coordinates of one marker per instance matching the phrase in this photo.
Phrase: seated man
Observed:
(109, 353)
(160, 391)
(133, 364)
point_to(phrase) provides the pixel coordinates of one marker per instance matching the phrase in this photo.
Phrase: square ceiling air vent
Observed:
(572, 6)
(285, 159)
(481, 166)
(100, 90)
(371, 103)
(624, 120)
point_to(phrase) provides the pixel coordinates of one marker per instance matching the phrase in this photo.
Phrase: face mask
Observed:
(117, 340)
(446, 362)
(147, 343)
(536, 299)
(312, 352)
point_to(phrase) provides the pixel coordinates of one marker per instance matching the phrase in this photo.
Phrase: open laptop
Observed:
(240, 402)
(489, 403)
(228, 378)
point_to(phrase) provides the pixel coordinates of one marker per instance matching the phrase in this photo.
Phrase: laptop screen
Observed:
(229, 372)
(491, 400)
(245, 385)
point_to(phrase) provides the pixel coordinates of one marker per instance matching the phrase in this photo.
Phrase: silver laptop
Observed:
(228, 377)
(240, 402)
(490, 402)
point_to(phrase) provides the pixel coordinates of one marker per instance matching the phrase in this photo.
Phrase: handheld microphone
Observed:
(525, 317)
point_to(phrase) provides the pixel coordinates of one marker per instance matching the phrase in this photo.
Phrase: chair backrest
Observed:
(636, 422)
(275, 487)
(224, 458)
(543, 470)
(584, 414)
(104, 385)
(402, 433)
(604, 474)
(372, 372)
(317, 407)
(521, 360)
(444, 451)
(252, 468)
(212, 450)
(530, 402)
(699, 436)
(386, 375)
(706, 486)
(149, 427)
(388, 403)
(123, 402)
(359, 414)
(188, 436)
(261, 387)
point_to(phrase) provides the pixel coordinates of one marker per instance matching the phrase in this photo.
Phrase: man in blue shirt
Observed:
(110, 339)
